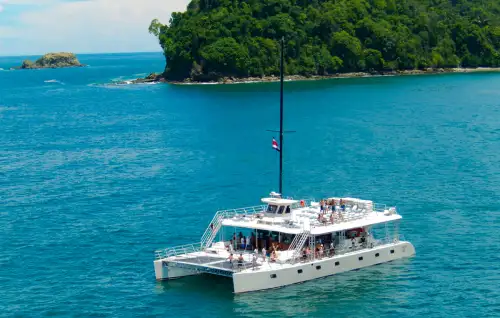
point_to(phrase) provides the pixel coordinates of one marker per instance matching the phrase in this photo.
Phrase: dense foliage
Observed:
(215, 38)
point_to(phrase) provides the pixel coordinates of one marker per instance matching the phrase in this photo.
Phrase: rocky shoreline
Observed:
(158, 78)
(52, 60)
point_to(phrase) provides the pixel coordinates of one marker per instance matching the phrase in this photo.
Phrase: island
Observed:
(236, 40)
(53, 60)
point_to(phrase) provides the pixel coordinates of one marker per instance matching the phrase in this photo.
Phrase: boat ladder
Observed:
(212, 230)
(298, 243)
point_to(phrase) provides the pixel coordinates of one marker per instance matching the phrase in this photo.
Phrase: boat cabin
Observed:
(278, 207)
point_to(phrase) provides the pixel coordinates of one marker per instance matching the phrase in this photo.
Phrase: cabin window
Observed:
(299, 271)
(271, 209)
(318, 267)
(337, 263)
(377, 255)
(273, 275)
(392, 251)
(280, 211)
(360, 258)
(287, 209)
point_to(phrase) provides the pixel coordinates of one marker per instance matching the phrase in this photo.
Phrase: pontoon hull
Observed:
(260, 280)
(164, 272)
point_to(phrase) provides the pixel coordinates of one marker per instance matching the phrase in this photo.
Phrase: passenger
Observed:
(304, 254)
(254, 261)
(240, 260)
(248, 245)
(332, 249)
(230, 259)
(242, 240)
(321, 251)
(308, 252)
(256, 251)
(264, 254)
(273, 256)
(353, 240)
(321, 205)
(331, 218)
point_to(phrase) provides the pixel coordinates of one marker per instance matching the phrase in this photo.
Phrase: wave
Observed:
(53, 81)
(7, 108)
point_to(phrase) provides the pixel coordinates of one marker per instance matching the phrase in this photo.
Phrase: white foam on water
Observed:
(53, 81)
(7, 108)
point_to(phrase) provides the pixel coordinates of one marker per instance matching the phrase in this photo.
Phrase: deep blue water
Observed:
(95, 177)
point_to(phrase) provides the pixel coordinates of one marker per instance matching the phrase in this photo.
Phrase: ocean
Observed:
(95, 176)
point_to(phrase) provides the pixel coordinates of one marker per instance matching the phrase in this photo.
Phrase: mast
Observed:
(281, 112)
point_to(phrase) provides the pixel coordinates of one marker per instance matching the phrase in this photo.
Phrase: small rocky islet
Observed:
(52, 60)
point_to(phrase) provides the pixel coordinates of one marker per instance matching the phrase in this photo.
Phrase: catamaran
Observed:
(286, 241)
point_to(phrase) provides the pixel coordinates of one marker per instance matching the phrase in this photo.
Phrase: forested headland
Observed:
(214, 39)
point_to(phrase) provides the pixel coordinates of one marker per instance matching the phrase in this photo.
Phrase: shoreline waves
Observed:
(157, 78)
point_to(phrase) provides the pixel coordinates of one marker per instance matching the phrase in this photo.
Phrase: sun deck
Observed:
(307, 217)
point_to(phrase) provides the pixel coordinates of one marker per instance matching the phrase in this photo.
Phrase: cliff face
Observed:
(53, 60)
(214, 39)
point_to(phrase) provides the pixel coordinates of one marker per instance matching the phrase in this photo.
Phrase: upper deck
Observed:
(293, 217)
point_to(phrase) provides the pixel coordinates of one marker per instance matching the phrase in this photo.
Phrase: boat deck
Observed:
(216, 264)
(307, 218)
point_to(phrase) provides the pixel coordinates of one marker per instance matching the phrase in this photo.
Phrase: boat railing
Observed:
(216, 223)
(177, 250)
(346, 246)
(383, 208)
(248, 211)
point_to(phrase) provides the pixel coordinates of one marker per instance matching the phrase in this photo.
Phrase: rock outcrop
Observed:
(53, 60)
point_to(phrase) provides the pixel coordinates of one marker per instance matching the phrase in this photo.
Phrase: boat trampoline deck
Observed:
(212, 265)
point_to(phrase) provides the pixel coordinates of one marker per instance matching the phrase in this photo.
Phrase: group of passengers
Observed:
(329, 206)
(240, 261)
(319, 251)
(241, 242)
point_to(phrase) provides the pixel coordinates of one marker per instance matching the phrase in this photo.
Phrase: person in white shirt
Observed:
(242, 242)
(248, 243)
(264, 254)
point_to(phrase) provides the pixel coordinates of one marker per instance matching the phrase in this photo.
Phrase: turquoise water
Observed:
(95, 177)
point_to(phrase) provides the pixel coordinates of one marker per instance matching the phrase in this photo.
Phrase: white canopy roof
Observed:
(278, 224)
(279, 201)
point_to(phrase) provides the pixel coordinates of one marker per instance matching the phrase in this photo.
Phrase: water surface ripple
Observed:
(95, 177)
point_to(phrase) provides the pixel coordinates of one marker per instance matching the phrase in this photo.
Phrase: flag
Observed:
(275, 145)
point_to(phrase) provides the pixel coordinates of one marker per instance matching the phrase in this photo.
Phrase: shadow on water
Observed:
(298, 299)
(332, 292)
(199, 285)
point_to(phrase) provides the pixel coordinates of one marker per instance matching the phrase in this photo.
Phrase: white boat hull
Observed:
(259, 280)
(273, 275)
(163, 272)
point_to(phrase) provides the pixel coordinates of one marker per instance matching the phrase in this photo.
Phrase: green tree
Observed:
(216, 38)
